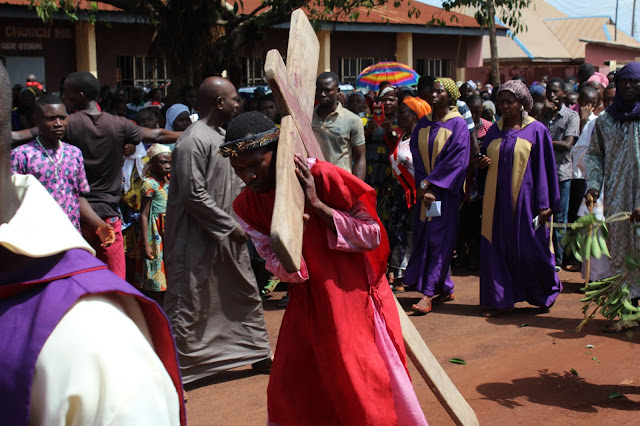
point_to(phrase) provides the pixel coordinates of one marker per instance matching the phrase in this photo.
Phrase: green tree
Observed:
(509, 12)
(199, 38)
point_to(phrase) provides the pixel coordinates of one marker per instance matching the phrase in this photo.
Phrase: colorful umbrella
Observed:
(394, 72)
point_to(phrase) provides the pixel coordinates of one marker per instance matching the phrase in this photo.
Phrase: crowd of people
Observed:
(177, 199)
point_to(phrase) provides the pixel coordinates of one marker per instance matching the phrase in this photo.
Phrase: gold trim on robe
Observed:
(489, 201)
(521, 154)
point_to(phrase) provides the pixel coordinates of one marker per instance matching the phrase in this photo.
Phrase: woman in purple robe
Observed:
(440, 149)
(521, 188)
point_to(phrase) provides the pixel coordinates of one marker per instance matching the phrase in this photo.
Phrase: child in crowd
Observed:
(155, 191)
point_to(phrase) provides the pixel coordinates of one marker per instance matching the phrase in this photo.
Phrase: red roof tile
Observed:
(389, 14)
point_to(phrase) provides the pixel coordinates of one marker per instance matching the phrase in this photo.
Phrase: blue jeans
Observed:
(561, 217)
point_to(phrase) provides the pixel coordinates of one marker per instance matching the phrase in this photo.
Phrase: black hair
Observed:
(329, 75)
(610, 86)
(473, 99)
(145, 111)
(425, 82)
(248, 123)
(585, 71)
(521, 78)
(570, 79)
(557, 80)
(47, 100)
(588, 91)
(86, 83)
(266, 98)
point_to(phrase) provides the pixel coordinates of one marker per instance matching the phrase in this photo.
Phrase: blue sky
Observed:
(593, 8)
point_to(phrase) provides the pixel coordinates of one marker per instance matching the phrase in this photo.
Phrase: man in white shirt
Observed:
(79, 345)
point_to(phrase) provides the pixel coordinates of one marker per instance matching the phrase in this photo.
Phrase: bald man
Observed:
(79, 345)
(212, 297)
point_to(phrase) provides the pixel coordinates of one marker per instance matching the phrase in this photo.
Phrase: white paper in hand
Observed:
(435, 210)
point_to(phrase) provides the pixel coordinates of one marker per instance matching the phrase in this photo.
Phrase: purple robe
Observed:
(441, 156)
(517, 263)
(35, 293)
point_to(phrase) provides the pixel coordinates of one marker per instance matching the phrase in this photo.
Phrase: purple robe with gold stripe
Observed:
(517, 263)
(441, 156)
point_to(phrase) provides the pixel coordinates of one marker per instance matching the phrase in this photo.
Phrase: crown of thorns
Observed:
(258, 140)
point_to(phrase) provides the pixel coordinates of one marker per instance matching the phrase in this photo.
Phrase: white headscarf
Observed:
(134, 160)
(173, 112)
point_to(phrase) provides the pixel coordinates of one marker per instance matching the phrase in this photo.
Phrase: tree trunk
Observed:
(493, 43)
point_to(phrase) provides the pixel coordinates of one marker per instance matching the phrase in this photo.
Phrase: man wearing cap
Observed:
(339, 132)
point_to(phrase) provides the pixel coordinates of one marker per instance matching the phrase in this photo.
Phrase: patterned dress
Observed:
(66, 182)
(613, 161)
(153, 275)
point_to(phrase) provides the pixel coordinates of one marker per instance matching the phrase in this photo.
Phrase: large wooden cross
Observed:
(293, 88)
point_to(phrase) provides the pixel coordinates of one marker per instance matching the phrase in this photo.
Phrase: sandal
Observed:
(443, 298)
(496, 312)
(421, 310)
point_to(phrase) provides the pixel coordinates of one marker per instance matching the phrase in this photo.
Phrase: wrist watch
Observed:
(424, 184)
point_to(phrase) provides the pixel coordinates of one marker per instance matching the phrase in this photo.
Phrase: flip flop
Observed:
(421, 310)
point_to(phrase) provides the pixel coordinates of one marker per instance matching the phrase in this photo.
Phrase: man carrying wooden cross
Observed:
(340, 357)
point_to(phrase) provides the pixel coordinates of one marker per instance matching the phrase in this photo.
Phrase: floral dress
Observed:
(153, 275)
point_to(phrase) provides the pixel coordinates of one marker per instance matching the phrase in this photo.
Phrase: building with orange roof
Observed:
(116, 48)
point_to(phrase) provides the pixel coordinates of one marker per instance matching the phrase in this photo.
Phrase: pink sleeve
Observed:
(262, 243)
(356, 230)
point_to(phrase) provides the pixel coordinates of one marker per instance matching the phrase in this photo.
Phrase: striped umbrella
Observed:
(394, 72)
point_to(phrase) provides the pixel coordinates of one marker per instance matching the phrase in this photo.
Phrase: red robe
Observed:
(327, 369)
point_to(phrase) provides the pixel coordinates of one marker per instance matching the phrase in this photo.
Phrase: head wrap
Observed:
(537, 90)
(600, 78)
(489, 105)
(387, 90)
(173, 113)
(520, 91)
(621, 109)
(472, 84)
(488, 87)
(255, 141)
(450, 86)
(157, 148)
(417, 105)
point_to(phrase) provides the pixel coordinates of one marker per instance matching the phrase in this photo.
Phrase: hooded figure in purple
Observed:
(440, 149)
(517, 263)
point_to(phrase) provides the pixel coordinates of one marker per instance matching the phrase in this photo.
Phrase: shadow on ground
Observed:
(564, 390)
(226, 376)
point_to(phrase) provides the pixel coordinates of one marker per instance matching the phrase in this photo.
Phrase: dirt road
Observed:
(518, 366)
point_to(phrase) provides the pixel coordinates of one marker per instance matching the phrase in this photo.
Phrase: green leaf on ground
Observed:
(458, 361)
(574, 372)
(524, 325)
(594, 358)
(613, 395)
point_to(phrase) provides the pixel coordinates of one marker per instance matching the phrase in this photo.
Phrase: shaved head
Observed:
(218, 99)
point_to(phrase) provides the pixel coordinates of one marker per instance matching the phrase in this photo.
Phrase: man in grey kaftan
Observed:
(212, 297)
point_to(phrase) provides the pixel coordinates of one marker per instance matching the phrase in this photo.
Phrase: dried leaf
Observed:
(458, 361)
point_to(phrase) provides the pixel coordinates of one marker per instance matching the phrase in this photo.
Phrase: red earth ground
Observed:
(519, 366)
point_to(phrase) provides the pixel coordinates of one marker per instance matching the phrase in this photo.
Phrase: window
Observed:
(253, 72)
(434, 67)
(350, 68)
(142, 71)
